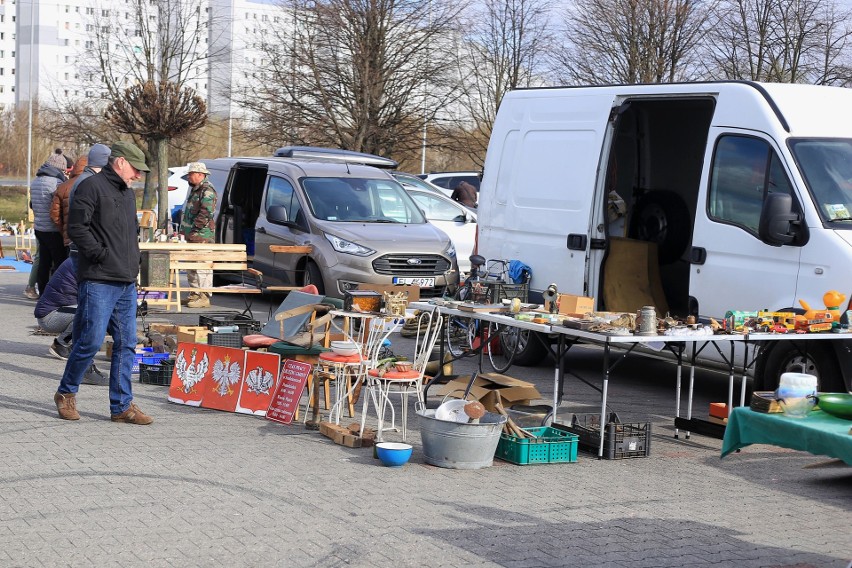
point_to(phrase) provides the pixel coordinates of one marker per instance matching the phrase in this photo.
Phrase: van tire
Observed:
(313, 276)
(531, 351)
(662, 217)
(783, 357)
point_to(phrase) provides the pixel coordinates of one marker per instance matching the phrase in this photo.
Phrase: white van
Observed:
(704, 197)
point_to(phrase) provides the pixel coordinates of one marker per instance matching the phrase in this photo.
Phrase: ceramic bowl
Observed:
(836, 403)
(344, 347)
(393, 454)
(403, 366)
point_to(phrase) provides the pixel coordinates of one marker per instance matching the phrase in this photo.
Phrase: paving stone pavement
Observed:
(202, 488)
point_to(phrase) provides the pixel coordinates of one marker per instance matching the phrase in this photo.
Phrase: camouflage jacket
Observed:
(197, 220)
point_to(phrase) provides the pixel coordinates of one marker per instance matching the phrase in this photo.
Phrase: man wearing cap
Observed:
(102, 224)
(197, 226)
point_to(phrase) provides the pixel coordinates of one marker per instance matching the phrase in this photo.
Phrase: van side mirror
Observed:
(277, 214)
(460, 218)
(779, 224)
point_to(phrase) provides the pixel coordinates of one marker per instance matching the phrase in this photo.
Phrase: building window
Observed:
(105, 13)
(66, 76)
(90, 11)
(2, 71)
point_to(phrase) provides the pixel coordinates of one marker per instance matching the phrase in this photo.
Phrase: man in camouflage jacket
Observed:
(197, 226)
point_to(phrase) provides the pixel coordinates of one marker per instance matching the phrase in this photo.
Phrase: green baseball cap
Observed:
(131, 153)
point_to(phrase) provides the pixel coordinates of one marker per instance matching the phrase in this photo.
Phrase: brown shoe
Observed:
(200, 301)
(189, 298)
(66, 404)
(132, 416)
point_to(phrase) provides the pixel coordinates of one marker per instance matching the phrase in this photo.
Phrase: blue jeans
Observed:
(104, 307)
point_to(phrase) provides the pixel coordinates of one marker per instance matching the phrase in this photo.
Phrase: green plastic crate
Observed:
(550, 446)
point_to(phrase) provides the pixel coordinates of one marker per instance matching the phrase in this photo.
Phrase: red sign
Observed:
(291, 383)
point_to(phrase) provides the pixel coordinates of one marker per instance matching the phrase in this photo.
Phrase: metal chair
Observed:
(382, 383)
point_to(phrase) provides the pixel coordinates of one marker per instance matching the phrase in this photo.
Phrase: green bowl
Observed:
(836, 403)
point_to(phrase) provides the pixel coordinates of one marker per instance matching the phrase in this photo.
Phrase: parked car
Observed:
(448, 181)
(452, 217)
(177, 190)
(364, 227)
(411, 180)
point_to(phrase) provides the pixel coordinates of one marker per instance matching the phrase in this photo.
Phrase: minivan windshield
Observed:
(826, 165)
(360, 200)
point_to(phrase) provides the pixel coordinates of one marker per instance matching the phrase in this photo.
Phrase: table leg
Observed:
(691, 390)
(603, 400)
(677, 387)
(745, 377)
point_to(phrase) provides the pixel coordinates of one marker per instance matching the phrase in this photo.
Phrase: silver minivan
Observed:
(363, 226)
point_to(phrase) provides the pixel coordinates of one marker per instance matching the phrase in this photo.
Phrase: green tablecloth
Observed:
(818, 433)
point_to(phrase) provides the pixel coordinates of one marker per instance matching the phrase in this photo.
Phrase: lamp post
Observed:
(30, 216)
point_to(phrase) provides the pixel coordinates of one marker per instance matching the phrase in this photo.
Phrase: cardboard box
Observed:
(576, 306)
(348, 437)
(488, 386)
(163, 328)
(413, 291)
(192, 334)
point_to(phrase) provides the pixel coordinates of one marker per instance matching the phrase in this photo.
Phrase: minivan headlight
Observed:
(348, 247)
(451, 250)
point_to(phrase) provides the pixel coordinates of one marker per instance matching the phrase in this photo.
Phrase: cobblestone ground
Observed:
(201, 487)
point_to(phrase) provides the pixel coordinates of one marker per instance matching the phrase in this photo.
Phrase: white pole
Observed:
(30, 217)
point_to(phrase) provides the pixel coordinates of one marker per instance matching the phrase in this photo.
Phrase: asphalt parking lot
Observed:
(201, 487)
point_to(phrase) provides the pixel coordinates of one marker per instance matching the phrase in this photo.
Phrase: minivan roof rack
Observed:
(336, 155)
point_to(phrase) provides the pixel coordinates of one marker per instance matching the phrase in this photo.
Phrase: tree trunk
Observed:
(162, 166)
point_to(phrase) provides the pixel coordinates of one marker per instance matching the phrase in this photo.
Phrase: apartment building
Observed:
(49, 49)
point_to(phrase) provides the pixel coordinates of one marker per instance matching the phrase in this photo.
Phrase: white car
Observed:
(177, 189)
(452, 217)
(447, 181)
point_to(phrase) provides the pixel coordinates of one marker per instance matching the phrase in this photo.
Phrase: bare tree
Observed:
(803, 41)
(356, 74)
(504, 51)
(632, 41)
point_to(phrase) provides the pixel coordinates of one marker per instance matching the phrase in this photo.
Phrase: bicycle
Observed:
(465, 335)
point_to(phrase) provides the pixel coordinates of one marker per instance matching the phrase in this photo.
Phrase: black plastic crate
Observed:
(492, 292)
(158, 373)
(621, 440)
(227, 339)
(246, 324)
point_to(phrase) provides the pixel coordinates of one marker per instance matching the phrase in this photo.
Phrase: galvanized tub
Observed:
(456, 445)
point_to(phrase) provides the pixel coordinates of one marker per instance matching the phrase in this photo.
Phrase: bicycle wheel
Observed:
(502, 345)
(459, 331)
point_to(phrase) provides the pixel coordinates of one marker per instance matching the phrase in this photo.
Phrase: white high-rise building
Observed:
(48, 48)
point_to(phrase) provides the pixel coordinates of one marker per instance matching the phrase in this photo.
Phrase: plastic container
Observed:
(148, 357)
(550, 446)
(245, 323)
(233, 339)
(157, 374)
(459, 446)
(621, 440)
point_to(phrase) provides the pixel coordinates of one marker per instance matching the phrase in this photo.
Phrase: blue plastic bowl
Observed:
(393, 454)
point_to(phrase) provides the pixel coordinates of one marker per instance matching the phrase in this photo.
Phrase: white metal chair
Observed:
(382, 383)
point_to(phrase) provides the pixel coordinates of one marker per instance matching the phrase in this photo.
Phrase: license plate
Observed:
(415, 281)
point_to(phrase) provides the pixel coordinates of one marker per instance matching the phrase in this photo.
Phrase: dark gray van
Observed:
(363, 226)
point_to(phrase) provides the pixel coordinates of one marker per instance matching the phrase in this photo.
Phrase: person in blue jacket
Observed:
(55, 314)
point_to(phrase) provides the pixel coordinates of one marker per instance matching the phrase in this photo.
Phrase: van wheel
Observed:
(783, 357)
(530, 350)
(662, 217)
(313, 276)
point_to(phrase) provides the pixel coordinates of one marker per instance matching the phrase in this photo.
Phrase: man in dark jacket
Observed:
(102, 224)
(55, 314)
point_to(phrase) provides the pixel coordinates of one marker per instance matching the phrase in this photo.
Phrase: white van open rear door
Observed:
(541, 162)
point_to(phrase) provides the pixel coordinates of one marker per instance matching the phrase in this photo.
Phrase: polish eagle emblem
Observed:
(226, 374)
(192, 372)
(260, 381)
